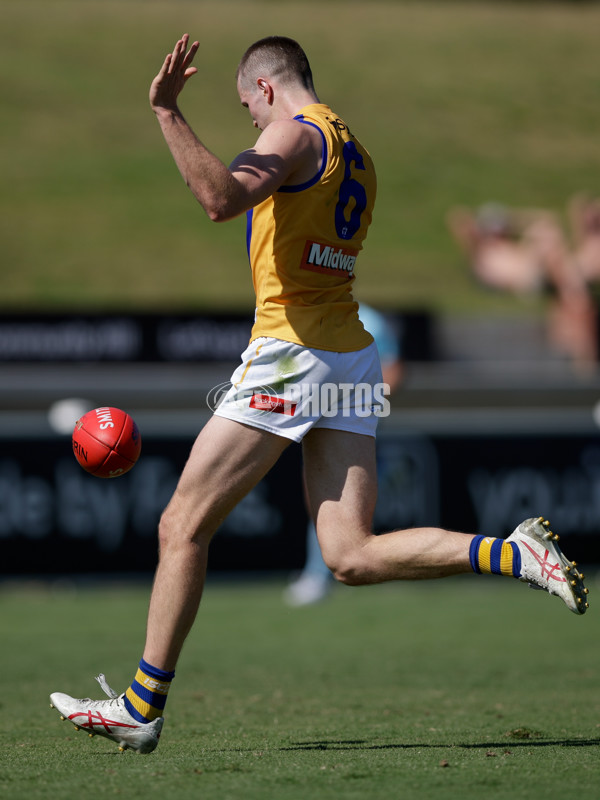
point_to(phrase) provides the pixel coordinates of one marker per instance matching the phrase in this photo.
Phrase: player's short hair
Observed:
(276, 57)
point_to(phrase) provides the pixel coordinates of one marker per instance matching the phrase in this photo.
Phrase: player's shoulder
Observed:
(289, 126)
(289, 134)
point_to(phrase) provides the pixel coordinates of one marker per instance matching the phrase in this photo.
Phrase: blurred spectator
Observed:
(526, 252)
(502, 256)
(584, 218)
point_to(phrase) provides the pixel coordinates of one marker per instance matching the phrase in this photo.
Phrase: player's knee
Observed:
(171, 533)
(177, 528)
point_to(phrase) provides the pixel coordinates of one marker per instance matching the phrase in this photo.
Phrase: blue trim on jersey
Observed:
(301, 186)
(249, 215)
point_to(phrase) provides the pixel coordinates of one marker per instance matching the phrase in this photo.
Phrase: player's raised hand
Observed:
(173, 74)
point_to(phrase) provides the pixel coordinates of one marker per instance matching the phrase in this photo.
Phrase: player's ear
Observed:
(265, 89)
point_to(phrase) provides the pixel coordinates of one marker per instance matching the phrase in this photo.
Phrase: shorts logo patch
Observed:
(328, 260)
(266, 402)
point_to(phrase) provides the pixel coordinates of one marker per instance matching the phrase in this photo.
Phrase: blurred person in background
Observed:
(526, 253)
(584, 218)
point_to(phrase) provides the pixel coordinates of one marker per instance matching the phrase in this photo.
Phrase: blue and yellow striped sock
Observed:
(146, 697)
(495, 556)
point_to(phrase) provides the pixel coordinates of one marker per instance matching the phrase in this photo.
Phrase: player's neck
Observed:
(295, 101)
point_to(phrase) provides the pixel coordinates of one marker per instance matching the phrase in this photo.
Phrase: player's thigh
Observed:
(341, 484)
(226, 461)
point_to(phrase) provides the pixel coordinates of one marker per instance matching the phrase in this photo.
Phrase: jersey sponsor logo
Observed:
(328, 260)
(266, 402)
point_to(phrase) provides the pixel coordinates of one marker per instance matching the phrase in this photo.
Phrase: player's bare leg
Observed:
(341, 484)
(340, 474)
(227, 460)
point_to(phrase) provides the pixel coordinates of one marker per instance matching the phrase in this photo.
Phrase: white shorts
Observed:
(288, 389)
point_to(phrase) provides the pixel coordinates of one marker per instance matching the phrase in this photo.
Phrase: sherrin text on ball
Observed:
(106, 442)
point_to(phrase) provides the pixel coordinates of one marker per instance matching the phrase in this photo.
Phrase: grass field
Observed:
(459, 102)
(455, 689)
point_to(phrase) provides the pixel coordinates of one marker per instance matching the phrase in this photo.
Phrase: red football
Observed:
(106, 442)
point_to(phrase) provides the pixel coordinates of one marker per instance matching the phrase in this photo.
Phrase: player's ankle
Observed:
(495, 556)
(146, 697)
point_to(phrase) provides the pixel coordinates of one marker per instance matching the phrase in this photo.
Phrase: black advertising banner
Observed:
(57, 519)
(148, 337)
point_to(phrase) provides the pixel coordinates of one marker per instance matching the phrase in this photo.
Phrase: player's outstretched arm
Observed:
(284, 150)
(207, 176)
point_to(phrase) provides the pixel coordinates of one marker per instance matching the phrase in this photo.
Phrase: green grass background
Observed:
(463, 688)
(458, 102)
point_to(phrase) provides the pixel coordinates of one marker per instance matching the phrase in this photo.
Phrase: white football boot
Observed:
(543, 565)
(108, 718)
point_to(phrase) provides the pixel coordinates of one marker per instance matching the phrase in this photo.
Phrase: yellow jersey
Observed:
(303, 244)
